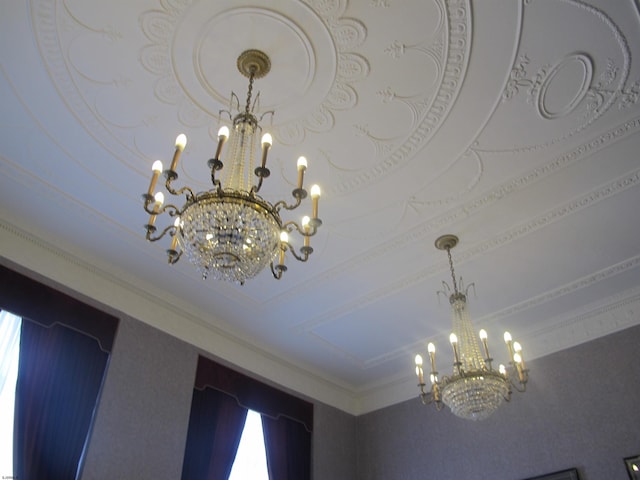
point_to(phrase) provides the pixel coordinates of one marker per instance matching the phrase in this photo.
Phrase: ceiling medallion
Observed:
(229, 232)
(475, 389)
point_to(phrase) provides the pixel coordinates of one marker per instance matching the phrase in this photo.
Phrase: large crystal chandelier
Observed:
(229, 232)
(475, 389)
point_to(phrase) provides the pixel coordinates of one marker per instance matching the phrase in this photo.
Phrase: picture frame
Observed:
(570, 474)
(633, 467)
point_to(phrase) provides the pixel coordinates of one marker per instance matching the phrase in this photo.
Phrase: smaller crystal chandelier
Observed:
(475, 389)
(229, 232)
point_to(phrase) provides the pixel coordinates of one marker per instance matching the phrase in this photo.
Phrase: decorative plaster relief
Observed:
(499, 193)
(178, 50)
(586, 281)
(586, 84)
(555, 214)
(447, 49)
(176, 46)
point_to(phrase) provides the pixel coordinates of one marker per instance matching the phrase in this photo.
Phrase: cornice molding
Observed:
(129, 298)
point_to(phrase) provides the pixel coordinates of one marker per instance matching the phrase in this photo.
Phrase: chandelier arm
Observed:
(148, 202)
(173, 256)
(277, 270)
(170, 208)
(521, 389)
(283, 204)
(151, 231)
(304, 253)
(521, 385)
(216, 183)
(430, 397)
(268, 112)
(256, 188)
(312, 228)
(189, 193)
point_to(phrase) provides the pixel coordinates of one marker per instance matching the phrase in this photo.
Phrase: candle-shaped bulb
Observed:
(174, 239)
(156, 168)
(485, 345)
(509, 341)
(302, 166)
(418, 360)
(431, 348)
(502, 369)
(305, 229)
(284, 239)
(419, 371)
(266, 144)
(454, 344)
(181, 141)
(517, 348)
(223, 132)
(159, 199)
(433, 378)
(315, 195)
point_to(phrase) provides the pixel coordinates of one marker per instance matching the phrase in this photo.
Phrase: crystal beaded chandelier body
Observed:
(475, 389)
(229, 232)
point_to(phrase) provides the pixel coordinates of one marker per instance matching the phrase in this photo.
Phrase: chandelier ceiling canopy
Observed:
(475, 389)
(229, 232)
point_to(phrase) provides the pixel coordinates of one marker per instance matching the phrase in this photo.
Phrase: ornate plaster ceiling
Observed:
(513, 125)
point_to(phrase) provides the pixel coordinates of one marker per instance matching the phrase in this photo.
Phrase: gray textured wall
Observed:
(141, 422)
(140, 428)
(581, 409)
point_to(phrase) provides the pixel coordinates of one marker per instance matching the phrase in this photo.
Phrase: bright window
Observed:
(251, 458)
(9, 354)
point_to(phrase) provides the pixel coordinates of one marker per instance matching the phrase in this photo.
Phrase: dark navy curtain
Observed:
(219, 395)
(288, 446)
(64, 352)
(60, 374)
(215, 427)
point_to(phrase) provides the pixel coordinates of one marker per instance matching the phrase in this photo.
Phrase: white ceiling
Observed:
(513, 125)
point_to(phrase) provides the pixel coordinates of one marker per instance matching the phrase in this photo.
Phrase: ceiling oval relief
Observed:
(559, 84)
(572, 72)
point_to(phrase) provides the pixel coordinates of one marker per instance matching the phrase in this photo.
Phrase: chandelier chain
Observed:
(453, 273)
(251, 77)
